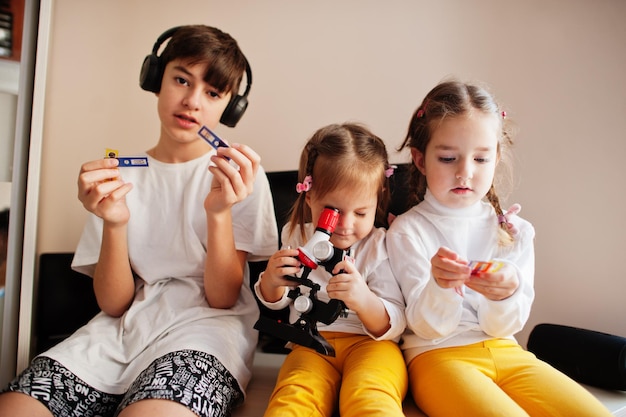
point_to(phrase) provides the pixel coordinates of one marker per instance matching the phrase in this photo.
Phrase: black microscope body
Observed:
(317, 251)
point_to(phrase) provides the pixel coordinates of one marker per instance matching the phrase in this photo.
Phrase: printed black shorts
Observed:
(63, 392)
(194, 379)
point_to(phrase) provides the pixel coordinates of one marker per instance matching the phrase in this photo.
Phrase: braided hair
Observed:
(453, 99)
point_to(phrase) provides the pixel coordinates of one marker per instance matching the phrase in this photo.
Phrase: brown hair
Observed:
(338, 155)
(453, 99)
(197, 44)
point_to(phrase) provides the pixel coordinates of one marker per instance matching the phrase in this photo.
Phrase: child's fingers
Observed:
(235, 180)
(247, 162)
(94, 172)
(120, 192)
(444, 252)
(99, 164)
(449, 271)
(448, 257)
(344, 267)
(495, 293)
(505, 278)
(250, 155)
(285, 260)
(237, 175)
(248, 165)
(450, 267)
(109, 192)
(90, 180)
(291, 253)
(227, 180)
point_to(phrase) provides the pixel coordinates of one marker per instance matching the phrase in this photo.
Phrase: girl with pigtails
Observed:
(344, 167)
(459, 346)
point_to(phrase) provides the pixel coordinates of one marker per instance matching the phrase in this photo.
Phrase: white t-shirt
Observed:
(439, 317)
(167, 236)
(370, 259)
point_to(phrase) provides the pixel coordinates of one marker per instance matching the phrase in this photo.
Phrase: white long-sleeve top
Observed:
(439, 317)
(370, 259)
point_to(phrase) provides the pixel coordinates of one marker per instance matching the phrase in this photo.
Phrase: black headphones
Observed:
(151, 76)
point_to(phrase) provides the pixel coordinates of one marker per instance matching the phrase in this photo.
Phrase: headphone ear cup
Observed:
(151, 74)
(233, 112)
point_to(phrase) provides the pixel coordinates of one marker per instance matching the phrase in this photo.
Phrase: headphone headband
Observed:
(164, 36)
(151, 76)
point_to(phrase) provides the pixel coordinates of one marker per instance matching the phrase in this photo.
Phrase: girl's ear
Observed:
(418, 160)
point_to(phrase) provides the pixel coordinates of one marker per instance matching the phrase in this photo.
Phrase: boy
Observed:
(167, 247)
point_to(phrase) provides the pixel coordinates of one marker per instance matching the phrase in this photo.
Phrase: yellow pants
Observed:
(496, 378)
(366, 378)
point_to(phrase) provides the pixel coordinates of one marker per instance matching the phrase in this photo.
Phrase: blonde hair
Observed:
(338, 155)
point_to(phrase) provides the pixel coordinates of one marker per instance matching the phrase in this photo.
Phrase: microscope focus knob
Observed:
(303, 304)
(323, 250)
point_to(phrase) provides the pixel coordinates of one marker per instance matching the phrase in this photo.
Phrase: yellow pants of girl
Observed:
(366, 378)
(496, 378)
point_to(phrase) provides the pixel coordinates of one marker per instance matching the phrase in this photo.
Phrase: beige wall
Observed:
(557, 66)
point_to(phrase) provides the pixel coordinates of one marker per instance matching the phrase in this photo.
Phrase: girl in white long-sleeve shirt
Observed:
(344, 167)
(461, 353)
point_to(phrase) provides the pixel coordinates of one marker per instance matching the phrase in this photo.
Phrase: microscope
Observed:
(317, 251)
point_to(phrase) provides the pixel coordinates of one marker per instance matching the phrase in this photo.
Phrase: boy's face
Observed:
(186, 102)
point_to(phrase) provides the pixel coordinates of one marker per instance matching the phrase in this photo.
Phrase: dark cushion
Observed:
(65, 300)
(587, 356)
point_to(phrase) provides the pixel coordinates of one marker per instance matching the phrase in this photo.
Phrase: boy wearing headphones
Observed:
(167, 246)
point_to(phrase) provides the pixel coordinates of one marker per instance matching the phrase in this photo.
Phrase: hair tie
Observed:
(390, 170)
(504, 218)
(305, 185)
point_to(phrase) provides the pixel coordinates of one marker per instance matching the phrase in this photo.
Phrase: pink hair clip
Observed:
(305, 185)
(390, 170)
(504, 218)
(422, 111)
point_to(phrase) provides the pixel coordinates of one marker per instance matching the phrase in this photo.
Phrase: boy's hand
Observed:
(231, 184)
(497, 285)
(102, 191)
(449, 269)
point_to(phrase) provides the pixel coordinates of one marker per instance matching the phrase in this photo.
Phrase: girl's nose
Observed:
(464, 171)
(344, 222)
